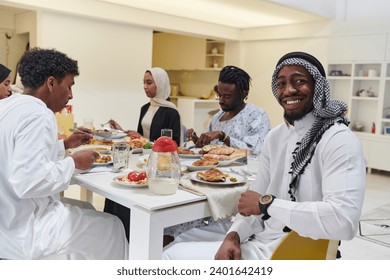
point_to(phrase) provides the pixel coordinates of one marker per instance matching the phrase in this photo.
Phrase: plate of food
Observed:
(103, 160)
(101, 149)
(101, 141)
(216, 177)
(230, 155)
(200, 164)
(222, 161)
(117, 134)
(132, 179)
(103, 133)
(188, 153)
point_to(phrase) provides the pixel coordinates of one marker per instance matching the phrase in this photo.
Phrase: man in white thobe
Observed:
(34, 223)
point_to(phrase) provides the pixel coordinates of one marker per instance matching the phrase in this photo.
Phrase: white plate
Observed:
(101, 164)
(118, 135)
(101, 149)
(196, 155)
(115, 180)
(227, 162)
(190, 167)
(240, 179)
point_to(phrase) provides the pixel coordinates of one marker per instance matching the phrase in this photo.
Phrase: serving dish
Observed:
(127, 184)
(238, 179)
(190, 167)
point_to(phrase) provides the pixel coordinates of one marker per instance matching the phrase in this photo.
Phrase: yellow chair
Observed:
(296, 247)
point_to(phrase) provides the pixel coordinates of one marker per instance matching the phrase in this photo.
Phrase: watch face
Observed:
(265, 199)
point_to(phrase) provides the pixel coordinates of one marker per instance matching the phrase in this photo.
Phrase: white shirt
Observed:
(330, 192)
(31, 177)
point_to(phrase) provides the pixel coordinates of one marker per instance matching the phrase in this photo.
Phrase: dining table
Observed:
(150, 213)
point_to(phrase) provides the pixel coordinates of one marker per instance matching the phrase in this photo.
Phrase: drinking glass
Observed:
(120, 155)
(88, 123)
(166, 132)
(253, 163)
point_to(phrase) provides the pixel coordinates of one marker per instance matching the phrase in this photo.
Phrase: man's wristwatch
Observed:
(264, 202)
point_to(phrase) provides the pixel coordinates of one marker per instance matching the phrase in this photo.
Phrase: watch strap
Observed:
(264, 208)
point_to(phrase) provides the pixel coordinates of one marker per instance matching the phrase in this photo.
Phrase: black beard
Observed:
(234, 107)
(295, 116)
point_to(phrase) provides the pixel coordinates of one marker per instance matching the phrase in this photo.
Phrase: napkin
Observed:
(223, 200)
(96, 169)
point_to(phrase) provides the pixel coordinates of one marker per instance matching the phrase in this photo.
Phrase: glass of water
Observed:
(166, 132)
(253, 162)
(120, 155)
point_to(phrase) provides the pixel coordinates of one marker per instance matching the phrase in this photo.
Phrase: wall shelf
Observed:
(347, 80)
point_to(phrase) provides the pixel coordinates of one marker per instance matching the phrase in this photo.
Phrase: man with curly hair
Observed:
(34, 223)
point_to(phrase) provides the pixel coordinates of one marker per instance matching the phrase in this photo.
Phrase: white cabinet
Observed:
(365, 87)
(376, 150)
(178, 52)
(196, 113)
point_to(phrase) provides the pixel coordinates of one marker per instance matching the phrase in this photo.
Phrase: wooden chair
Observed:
(296, 247)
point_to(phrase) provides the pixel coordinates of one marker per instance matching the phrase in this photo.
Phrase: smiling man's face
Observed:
(295, 90)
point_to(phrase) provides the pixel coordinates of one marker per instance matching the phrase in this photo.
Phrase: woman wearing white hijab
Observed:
(159, 113)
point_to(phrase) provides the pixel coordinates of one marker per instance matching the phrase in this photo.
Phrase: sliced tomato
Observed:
(132, 176)
(142, 176)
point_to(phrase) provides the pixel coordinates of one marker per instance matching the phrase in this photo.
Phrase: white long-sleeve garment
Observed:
(329, 195)
(330, 192)
(33, 221)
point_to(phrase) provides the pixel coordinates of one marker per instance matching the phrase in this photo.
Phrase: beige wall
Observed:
(259, 61)
(329, 42)
(112, 58)
(126, 49)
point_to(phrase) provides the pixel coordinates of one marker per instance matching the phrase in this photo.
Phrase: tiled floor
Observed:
(377, 195)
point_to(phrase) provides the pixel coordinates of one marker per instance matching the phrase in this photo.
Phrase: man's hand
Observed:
(133, 134)
(191, 135)
(248, 203)
(113, 124)
(206, 137)
(230, 248)
(84, 159)
(78, 138)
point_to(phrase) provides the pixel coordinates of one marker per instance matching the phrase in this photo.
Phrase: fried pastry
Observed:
(208, 148)
(238, 153)
(217, 157)
(137, 143)
(212, 175)
(222, 150)
(205, 162)
(182, 151)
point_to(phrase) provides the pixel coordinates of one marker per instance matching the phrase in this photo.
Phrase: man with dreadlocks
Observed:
(237, 124)
(311, 177)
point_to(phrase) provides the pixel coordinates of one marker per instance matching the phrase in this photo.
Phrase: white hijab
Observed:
(163, 86)
(161, 80)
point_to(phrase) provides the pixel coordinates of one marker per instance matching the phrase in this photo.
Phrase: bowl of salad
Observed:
(147, 148)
